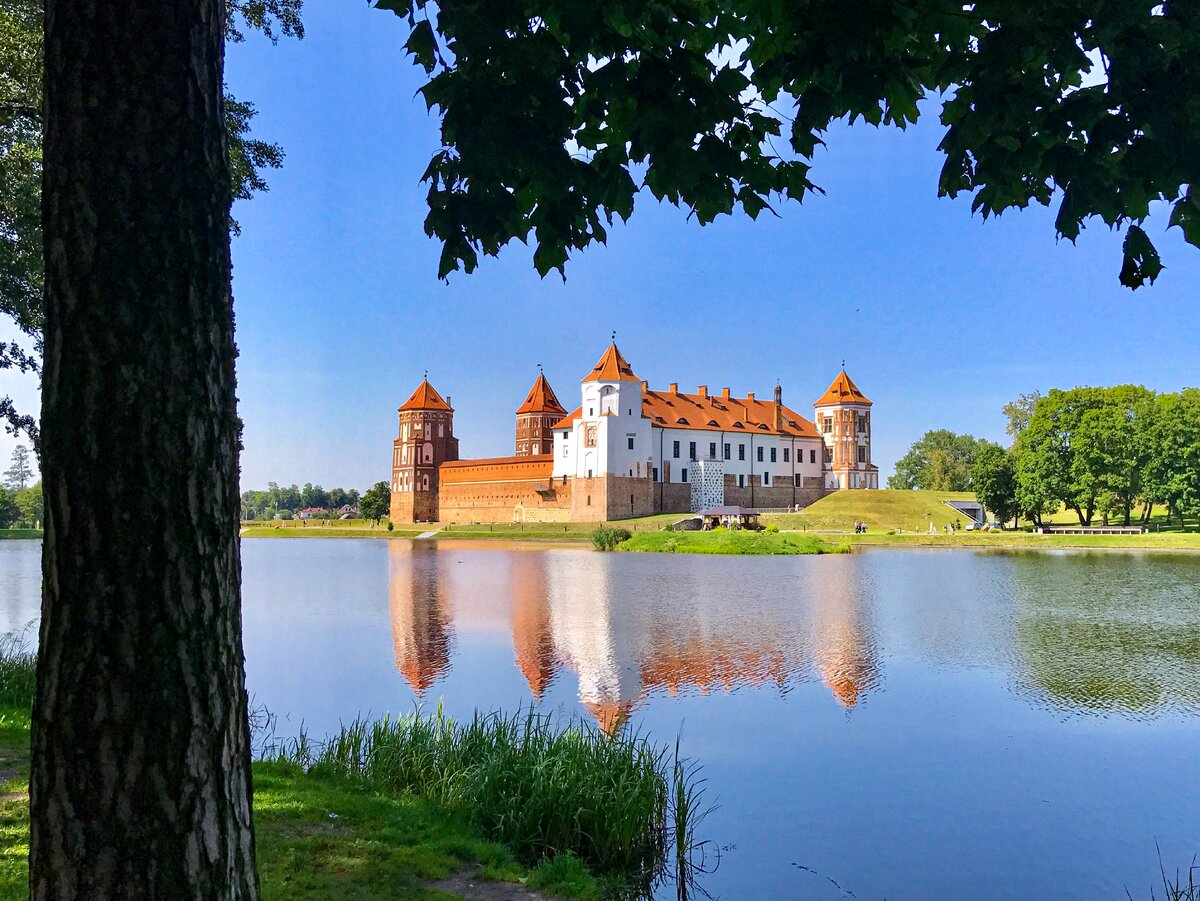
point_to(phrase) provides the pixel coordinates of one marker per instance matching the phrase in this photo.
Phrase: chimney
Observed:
(449, 403)
(674, 387)
(725, 394)
(645, 386)
(750, 396)
(702, 390)
(779, 408)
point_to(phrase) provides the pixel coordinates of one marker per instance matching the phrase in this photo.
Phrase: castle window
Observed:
(591, 410)
(772, 455)
(741, 480)
(712, 450)
(655, 470)
(827, 424)
(862, 454)
(713, 423)
(566, 449)
(630, 441)
(828, 455)
(785, 455)
(683, 472)
(799, 480)
(741, 452)
(726, 449)
(812, 455)
(589, 436)
(691, 450)
(766, 478)
(760, 453)
(675, 449)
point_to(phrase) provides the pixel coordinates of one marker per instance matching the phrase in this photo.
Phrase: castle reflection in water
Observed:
(577, 611)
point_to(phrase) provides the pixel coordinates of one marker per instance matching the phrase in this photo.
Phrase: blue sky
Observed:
(941, 317)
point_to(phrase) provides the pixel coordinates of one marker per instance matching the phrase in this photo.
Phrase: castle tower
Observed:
(844, 421)
(608, 452)
(536, 417)
(424, 442)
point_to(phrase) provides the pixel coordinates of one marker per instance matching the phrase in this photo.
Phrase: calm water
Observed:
(911, 724)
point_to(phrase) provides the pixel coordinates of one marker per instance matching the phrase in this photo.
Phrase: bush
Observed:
(390, 527)
(719, 529)
(670, 546)
(606, 538)
(771, 527)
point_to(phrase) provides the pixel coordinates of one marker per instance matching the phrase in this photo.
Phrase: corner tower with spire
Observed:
(844, 421)
(535, 419)
(424, 442)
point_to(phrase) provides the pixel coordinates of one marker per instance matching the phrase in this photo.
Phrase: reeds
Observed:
(18, 670)
(620, 804)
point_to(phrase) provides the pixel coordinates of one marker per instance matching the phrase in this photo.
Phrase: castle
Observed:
(630, 451)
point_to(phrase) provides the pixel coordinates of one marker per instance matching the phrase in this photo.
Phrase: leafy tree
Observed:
(21, 471)
(375, 502)
(21, 104)
(940, 461)
(1017, 413)
(994, 481)
(1172, 471)
(10, 513)
(29, 502)
(556, 113)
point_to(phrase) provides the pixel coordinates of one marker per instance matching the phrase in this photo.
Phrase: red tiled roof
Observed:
(425, 398)
(842, 391)
(715, 414)
(541, 399)
(613, 367)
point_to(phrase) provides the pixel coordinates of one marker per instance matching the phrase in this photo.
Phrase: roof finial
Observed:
(539, 368)
(843, 363)
(614, 336)
(426, 375)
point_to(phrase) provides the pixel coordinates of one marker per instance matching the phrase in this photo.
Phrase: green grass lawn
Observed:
(880, 510)
(740, 542)
(20, 533)
(1018, 539)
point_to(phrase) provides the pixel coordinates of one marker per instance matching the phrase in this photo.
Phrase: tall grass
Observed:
(538, 787)
(18, 667)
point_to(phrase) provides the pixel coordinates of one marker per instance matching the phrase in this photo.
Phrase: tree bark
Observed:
(140, 785)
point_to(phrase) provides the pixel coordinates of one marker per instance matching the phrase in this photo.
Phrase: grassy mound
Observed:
(882, 510)
(740, 542)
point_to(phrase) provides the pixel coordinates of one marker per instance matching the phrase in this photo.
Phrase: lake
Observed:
(900, 724)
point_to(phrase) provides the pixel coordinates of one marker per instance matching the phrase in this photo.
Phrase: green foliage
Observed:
(556, 114)
(10, 513)
(391, 526)
(771, 527)
(940, 461)
(1105, 450)
(1019, 411)
(18, 668)
(21, 470)
(994, 480)
(539, 789)
(258, 504)
(29, 503)
(374, 504)
(606, 538)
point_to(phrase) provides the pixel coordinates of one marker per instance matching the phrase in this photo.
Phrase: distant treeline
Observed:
(288, 500)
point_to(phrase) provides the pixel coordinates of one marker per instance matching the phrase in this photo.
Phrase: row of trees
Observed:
(1097, 451)
(292, 498)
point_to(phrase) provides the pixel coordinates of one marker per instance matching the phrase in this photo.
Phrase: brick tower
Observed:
(844, 421)
(424, 442)
(536, 417)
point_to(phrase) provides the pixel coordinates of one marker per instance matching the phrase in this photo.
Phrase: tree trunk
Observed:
(140, 785)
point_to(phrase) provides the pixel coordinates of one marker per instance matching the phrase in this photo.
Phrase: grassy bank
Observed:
(386, 809)
(739, 542)
(533, 531)
(1179, 541)
(20, 533)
